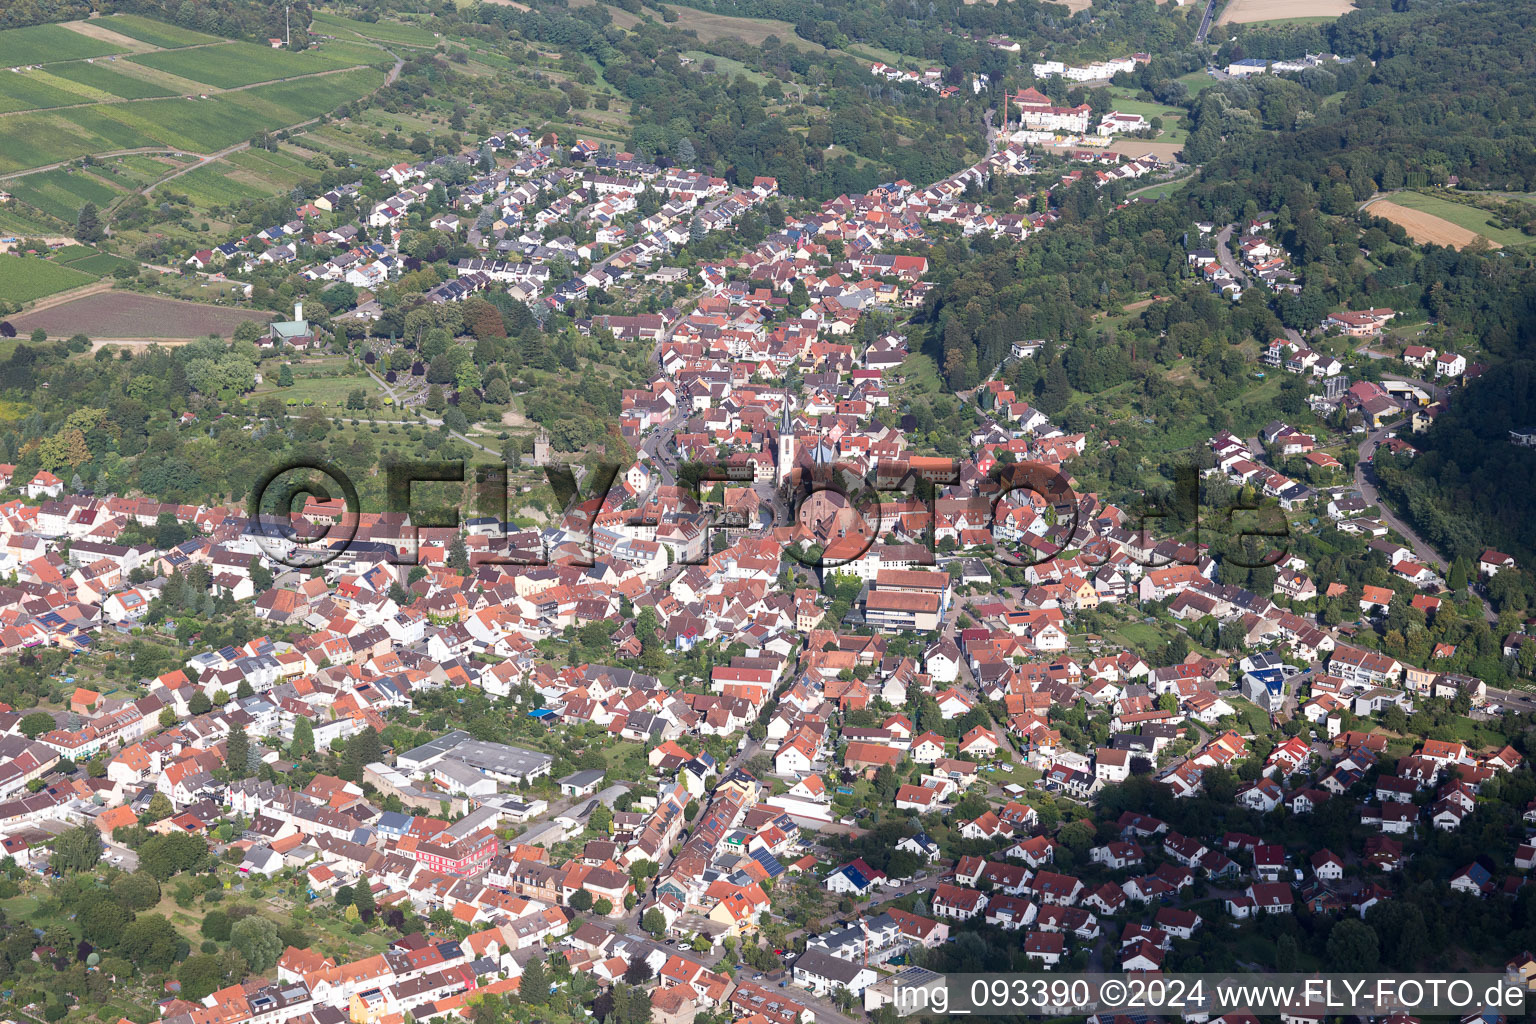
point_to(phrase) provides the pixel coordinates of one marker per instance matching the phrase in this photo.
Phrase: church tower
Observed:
(786, 444)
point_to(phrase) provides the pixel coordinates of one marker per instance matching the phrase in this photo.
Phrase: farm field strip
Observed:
(110, 82)
(62, 193)
(154, 32)
(384, 31)
(23, 279)
(210, 186)
(1242, 12)
(199, 126)
(30, 91)
(1463, 215)
(126, 314)
(711, 26)
(43, 44)
(1424, 228)
(236, 64)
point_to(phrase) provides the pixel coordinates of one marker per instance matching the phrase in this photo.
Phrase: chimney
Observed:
(298, 311)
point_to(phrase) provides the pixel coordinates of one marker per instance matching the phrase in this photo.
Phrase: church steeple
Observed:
(786, 459)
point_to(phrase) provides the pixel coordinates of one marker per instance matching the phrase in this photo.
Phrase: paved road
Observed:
(1225, 258)
(1205, 21)
(1365, 480)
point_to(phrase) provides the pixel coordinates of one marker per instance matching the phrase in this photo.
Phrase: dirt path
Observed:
(50, 239)
(99, 343)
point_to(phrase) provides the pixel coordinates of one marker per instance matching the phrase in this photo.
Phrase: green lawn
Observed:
(921, 373)
(1462, 215)
(1164, 189)
(1142, 636)
(330, 391)
(1197, 82)
(726, 67)
(23, 279)
(42, 44)
(230, 65)
(1127, 103)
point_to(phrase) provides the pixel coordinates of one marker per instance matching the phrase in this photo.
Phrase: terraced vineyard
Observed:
(62, 193)
(155, 33)
(106, 80)
(385, 32)
(68, 103)
(24, 278)
(232, 65)
(41, 44)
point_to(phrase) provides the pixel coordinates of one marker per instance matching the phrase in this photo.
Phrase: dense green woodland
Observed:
(1452, 92)
(727, 122)
(938, 31)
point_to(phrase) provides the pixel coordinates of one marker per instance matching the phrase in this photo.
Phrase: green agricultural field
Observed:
(43, 44)
(1463, 215)
(353, 53)
(385, 31)
(23, 279)
(198, 126)
(61, 193)
(280, 169)
(101, 264)
(156, 33)
(211, 186)
(32, 140)
(28, 92)
(231, 65)
(18, 221)
(103, 78)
